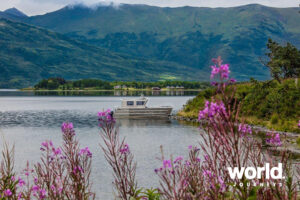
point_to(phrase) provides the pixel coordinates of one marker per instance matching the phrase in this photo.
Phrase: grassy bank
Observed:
(271, 104)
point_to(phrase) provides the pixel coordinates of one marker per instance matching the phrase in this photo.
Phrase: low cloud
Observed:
(35, 7)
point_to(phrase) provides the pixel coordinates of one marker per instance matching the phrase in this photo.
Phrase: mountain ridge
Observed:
(185, 35)
(182, 36)
(16, 12)
(29, 54)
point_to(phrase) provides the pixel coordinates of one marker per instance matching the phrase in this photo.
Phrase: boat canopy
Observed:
(134, 103)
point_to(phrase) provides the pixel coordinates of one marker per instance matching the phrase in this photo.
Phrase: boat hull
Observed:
(141, 113)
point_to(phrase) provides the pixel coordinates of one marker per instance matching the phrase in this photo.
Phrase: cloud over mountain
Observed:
(35, 7)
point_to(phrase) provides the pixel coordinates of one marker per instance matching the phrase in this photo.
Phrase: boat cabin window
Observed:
(130, 103)
(140, 103)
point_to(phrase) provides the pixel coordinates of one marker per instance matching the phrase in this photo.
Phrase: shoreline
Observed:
(254, 127)
(290, 136)
(103, 90)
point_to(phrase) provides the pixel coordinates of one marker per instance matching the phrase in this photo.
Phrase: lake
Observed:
(27, 119)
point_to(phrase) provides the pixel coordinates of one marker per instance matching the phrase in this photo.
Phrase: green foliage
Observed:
(298, 142)
(152, 194)
(284, 60)
(270, 103)
(149, 194)
(50, 84)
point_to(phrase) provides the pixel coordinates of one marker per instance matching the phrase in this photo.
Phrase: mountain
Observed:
(189, 36)
(29, 54)
(13, 14)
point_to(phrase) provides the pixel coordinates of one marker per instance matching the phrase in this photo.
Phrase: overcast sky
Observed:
(35, 7)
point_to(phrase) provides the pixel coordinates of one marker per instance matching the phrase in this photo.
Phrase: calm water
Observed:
(26, 121)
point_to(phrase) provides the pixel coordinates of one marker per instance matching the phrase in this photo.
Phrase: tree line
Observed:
(62, 84)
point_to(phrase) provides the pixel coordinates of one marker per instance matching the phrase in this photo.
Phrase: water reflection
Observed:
(117, 93)
(143, 123)
(54, 118)
(98, 93)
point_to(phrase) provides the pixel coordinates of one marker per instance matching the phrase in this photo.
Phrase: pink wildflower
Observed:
(274, 139)
(207, 173)
(125, 149)
(245, 129)
(105, 117)
(222, 184)
(167, 164)
(217, 61)
(211, 109)
(224, 71)
(85, 151)
(7, 193)
(66, 126)
(21, 182)
(178, 159)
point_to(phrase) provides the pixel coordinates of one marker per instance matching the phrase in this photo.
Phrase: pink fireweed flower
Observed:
(125, 149)
(222, 184)
(299, 124)
(213, 83)
(206, 157)
(211, 110)
(158, 170)
(68, 129)
(224, 71)
(105, 117)
(53, 188)
(13, 178)
(232, 80)
(77, 169)
(66, 126)
(274, 139)
(214, 71)
(207, 173)
(35, 188)
(190, 147)
(21, 182)
(187, 163)
(217, 61)
(42, 194)
(167, 163)
(178, 159)
(45, 144)
(56, 151)
(85, 151)
(7, 193)
(245, 129)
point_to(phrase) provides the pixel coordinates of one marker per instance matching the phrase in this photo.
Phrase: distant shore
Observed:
(99, 90)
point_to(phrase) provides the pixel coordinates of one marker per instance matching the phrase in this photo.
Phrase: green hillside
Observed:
(271, 104)
(185, 35)
(29, 54)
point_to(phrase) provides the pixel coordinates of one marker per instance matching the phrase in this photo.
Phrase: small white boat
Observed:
(137, 109)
